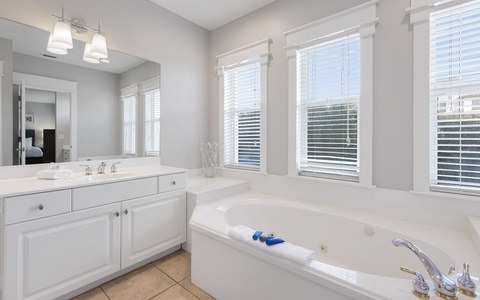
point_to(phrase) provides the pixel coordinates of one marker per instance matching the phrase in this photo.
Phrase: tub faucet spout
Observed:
(444, 286)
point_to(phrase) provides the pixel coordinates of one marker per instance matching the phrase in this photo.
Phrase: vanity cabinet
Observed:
(49, 257)
(59, 241)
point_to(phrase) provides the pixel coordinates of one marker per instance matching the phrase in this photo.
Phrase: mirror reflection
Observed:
(58, 125)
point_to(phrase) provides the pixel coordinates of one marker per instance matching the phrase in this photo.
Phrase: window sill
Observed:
(330, 181)
(437, 194)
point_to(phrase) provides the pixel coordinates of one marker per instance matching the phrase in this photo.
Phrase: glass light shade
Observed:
(99, 46)
(55, 49)
(87, 55)
(62, 36)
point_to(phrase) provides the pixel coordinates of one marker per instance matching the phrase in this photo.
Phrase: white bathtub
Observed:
(355, 258)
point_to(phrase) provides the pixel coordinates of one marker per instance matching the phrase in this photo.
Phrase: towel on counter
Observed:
(54, 174)
(285, 250)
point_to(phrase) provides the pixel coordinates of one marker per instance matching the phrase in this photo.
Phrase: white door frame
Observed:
(59, 86)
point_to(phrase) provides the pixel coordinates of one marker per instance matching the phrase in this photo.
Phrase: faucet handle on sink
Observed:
(466, 285)
(113, 169)
(88, 170)
(420, 287)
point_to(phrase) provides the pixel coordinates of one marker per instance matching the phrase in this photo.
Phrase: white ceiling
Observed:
(211, 14)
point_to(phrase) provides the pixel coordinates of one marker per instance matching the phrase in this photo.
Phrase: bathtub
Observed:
(354, 256)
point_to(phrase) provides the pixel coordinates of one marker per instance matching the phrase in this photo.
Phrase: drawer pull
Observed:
(173, 182)
(41, 206)
(126, 211)
(117, 214)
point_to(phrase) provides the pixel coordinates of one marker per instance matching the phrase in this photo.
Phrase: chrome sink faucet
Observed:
(444, 286)
(101, 168)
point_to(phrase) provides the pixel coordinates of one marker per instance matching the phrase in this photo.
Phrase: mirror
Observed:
(98, 106)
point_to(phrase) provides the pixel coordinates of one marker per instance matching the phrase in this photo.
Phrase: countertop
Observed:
(27, 185)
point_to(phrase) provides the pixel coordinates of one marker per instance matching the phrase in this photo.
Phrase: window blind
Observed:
(129, 124)
(328, 95)
(152, 122)
(455, 99)
(242, 100)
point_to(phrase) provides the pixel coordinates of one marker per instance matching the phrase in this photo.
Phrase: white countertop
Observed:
(13, 187)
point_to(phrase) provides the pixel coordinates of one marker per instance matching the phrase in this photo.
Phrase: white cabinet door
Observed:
(49, 257)
(151, 225)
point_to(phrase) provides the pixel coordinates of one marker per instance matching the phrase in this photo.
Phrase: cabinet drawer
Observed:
(36, 206)
(172, 182)
(102, 194)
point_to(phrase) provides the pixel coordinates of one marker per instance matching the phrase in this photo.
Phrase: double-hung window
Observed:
(129, 113)
(243, 106)
(449, 98)
(151, 98)
(327, 108)
(330, 96)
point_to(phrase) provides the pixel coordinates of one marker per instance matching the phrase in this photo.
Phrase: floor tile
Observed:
(176, 292)
(94, 294)
(140, 284)
(175, 265)
(201, 294)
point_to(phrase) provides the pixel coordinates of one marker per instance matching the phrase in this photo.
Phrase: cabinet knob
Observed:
(117, 214)
(173, 182)
(41, 206)
(126, 211)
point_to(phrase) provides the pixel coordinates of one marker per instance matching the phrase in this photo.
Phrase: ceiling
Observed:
(211, 14)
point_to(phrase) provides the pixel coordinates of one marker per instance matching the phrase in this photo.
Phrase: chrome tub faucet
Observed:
(444, 286)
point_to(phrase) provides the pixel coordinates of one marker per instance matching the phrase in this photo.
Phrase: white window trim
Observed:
(262, 50)
(363, 19)
(420, 20)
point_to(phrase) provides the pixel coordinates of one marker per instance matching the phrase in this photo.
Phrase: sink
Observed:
(101, 177)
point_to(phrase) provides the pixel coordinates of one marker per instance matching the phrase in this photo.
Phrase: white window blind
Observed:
(129, 124)
(152, 122)
(455, 99)
(328, 95)
(242, 99)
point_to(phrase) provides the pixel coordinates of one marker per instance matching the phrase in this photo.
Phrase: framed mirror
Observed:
(98, 108)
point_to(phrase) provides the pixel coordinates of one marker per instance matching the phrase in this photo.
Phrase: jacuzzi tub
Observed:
(354, 259)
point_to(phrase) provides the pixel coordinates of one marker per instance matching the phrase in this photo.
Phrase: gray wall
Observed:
(98, 102)
(6, 105)
(146, 30)
(392, 136)
(139, 74)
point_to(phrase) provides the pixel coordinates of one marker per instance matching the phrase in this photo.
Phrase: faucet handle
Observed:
(88, 170)
(113, 169)
(420, 287)
(466, 285)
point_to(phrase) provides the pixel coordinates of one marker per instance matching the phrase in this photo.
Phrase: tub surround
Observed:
(62, 236)
(357, 265)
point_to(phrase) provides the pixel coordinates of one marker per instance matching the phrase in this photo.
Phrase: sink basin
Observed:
(101, 177)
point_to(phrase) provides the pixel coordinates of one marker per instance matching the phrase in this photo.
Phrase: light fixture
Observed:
(99, 44)
(55, 49)
(61, 35)
(60, 40)
(87, 55)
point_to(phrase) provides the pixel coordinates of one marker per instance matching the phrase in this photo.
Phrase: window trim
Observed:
(361, 19)
(128, 92)
(259, 49)
(419, 12)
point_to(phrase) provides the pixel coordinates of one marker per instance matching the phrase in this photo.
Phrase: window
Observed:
(454, 98)
(330, 96)
(151, 95)
(129, 104)
(242, 116)
(446, 96)
(327, 108)
(243, 94)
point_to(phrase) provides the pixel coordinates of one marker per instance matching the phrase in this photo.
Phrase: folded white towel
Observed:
(285, 250)
(54, 174)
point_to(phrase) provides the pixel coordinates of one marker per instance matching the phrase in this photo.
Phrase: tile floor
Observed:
(165, 279)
